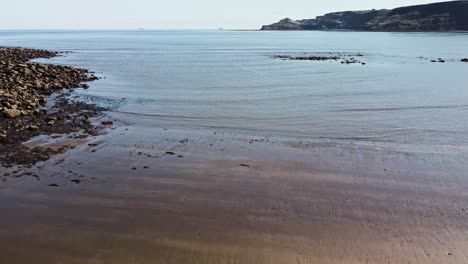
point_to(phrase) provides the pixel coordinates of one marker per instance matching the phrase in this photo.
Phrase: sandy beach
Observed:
(192, 197)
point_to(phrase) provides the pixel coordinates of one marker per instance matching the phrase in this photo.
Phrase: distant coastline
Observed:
(436, 17)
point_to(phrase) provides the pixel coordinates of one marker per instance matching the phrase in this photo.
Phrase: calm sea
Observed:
(228, 80)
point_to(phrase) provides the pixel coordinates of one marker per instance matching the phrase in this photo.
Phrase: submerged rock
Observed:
(345, 59)
(107, 123)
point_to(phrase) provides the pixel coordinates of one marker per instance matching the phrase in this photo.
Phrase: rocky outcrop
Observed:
(24, 86)
(24, 114)
(444, 16)
(345, 59)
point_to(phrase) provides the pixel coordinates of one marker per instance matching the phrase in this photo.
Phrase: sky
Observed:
(171, 14)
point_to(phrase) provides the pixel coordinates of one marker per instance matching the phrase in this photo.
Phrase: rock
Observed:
(307, 58)
(51, 120)
(107, 123)
(27, 71)
(464, 60)
(38, 84)
(12, 113)
(344, 59)
(285, 24)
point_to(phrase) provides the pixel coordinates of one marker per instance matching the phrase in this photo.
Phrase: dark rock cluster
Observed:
(24, 91)
(24, 86)
(464, 60)
(443, 16)
(344, 59)
(65, 117)
(439, 60)
(309, 58)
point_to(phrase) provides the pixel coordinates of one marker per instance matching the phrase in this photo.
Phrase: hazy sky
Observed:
(170, 14)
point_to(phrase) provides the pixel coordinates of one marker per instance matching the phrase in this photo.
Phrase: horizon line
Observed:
(134, 29)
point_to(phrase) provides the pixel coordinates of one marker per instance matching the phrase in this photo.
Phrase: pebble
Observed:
(24, 84)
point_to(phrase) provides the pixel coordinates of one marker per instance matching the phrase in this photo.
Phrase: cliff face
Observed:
(443, 16)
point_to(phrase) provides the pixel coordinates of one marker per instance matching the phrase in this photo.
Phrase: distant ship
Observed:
(220, 28)
(141, 29)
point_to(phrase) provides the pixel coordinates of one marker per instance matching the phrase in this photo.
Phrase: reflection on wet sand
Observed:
(220, 200)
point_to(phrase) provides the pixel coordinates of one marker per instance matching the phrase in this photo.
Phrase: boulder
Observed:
(12, 113)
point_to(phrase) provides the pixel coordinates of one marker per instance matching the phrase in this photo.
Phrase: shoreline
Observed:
(360, 31)
(26, 112)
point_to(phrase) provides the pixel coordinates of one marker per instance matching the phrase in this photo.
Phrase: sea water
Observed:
(229, 80)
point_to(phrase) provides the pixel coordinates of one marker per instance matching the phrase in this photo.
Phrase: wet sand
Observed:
(150, 195)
